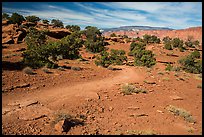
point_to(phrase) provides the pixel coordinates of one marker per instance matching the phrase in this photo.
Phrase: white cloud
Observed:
(175, 15)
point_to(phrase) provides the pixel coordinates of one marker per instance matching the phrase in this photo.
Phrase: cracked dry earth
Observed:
(80, 103)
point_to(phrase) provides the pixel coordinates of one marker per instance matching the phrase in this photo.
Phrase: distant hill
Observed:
(134, 28)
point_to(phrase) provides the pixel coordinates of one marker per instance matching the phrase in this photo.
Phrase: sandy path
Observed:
(84, 90)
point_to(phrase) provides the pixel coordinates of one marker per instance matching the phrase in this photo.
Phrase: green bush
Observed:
(94, 41)
(189, 44)
(57, 23)
(176, 42)
(150, 39)
(113, 35)
(191, 65)
(142, 57)
(195, 54)
(73, 28)
(40, 53)
(45, 21)
(16, 18)
(32, 19)
(168, 46)
(5, 16)
(196, 43)
(169, 67)
(166, 39)
(116, 57)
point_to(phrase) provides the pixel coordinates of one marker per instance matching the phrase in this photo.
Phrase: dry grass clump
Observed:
(76, 68)
(28, 71)
(128, 89)
(141, 132)
(181, 112)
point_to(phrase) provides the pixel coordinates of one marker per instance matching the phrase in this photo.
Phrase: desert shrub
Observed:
(176, 42)
(5, 16)
(73, 28)
(181, 112)
(28, 71)
(195, 54)
(76, 68)
(57, 23)
(169, 67)
(128, 89)
(125, 36)
(191, 65)
(16, 18)
(32, 19)
(196, 43)
(137, 45)
(166, 39)
(41, 53)
(94, 41)
(96, 45)
(168, 46)
(113, 35)
(116, 57)
(45, 21)
(103, 60)
(189, 44)
(142, 57)
(150, 39)
(69, 46)
(35, 38)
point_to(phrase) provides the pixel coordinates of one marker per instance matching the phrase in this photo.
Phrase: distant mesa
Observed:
(134, 28)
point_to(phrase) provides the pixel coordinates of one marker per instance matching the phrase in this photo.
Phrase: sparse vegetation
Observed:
(115, 57)
(73, 28)
(16, 18)
(33, 19)
(45, 21)
(141, 132)
(191, 64)
(128, 89)
(5, 16)
(57, 23)
(169, 67)
(76, 68)
(113, 35)
(150, 39)
(181, 112)
(28, 71)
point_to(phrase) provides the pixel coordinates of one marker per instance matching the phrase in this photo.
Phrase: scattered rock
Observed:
(28, 103)
(138, 115)
(110, 108)
(58, 126)
(175, 97)
(134, 108)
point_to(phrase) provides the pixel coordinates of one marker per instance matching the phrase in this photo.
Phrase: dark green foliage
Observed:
(116, 57)
(16, 18)
(69, 45)
(196, 43)
(113, 35)
(142, 57)
(45, 21)
(124, 36)
(195, 54)
(167, 39)
(5, 16)
(189, 44)
(32, 19)
(169, 67)
(39, 53)
(151, 39)
(73, 28)
(168, 46)
(103, 60)
(137, 45)
(94, 41)
(176, 42)
(57, 23)
(35, 38)
(191, 64)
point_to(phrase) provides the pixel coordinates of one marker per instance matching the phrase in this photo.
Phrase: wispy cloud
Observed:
(115, 14)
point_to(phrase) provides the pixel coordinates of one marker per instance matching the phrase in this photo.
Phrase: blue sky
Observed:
(176, 15)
